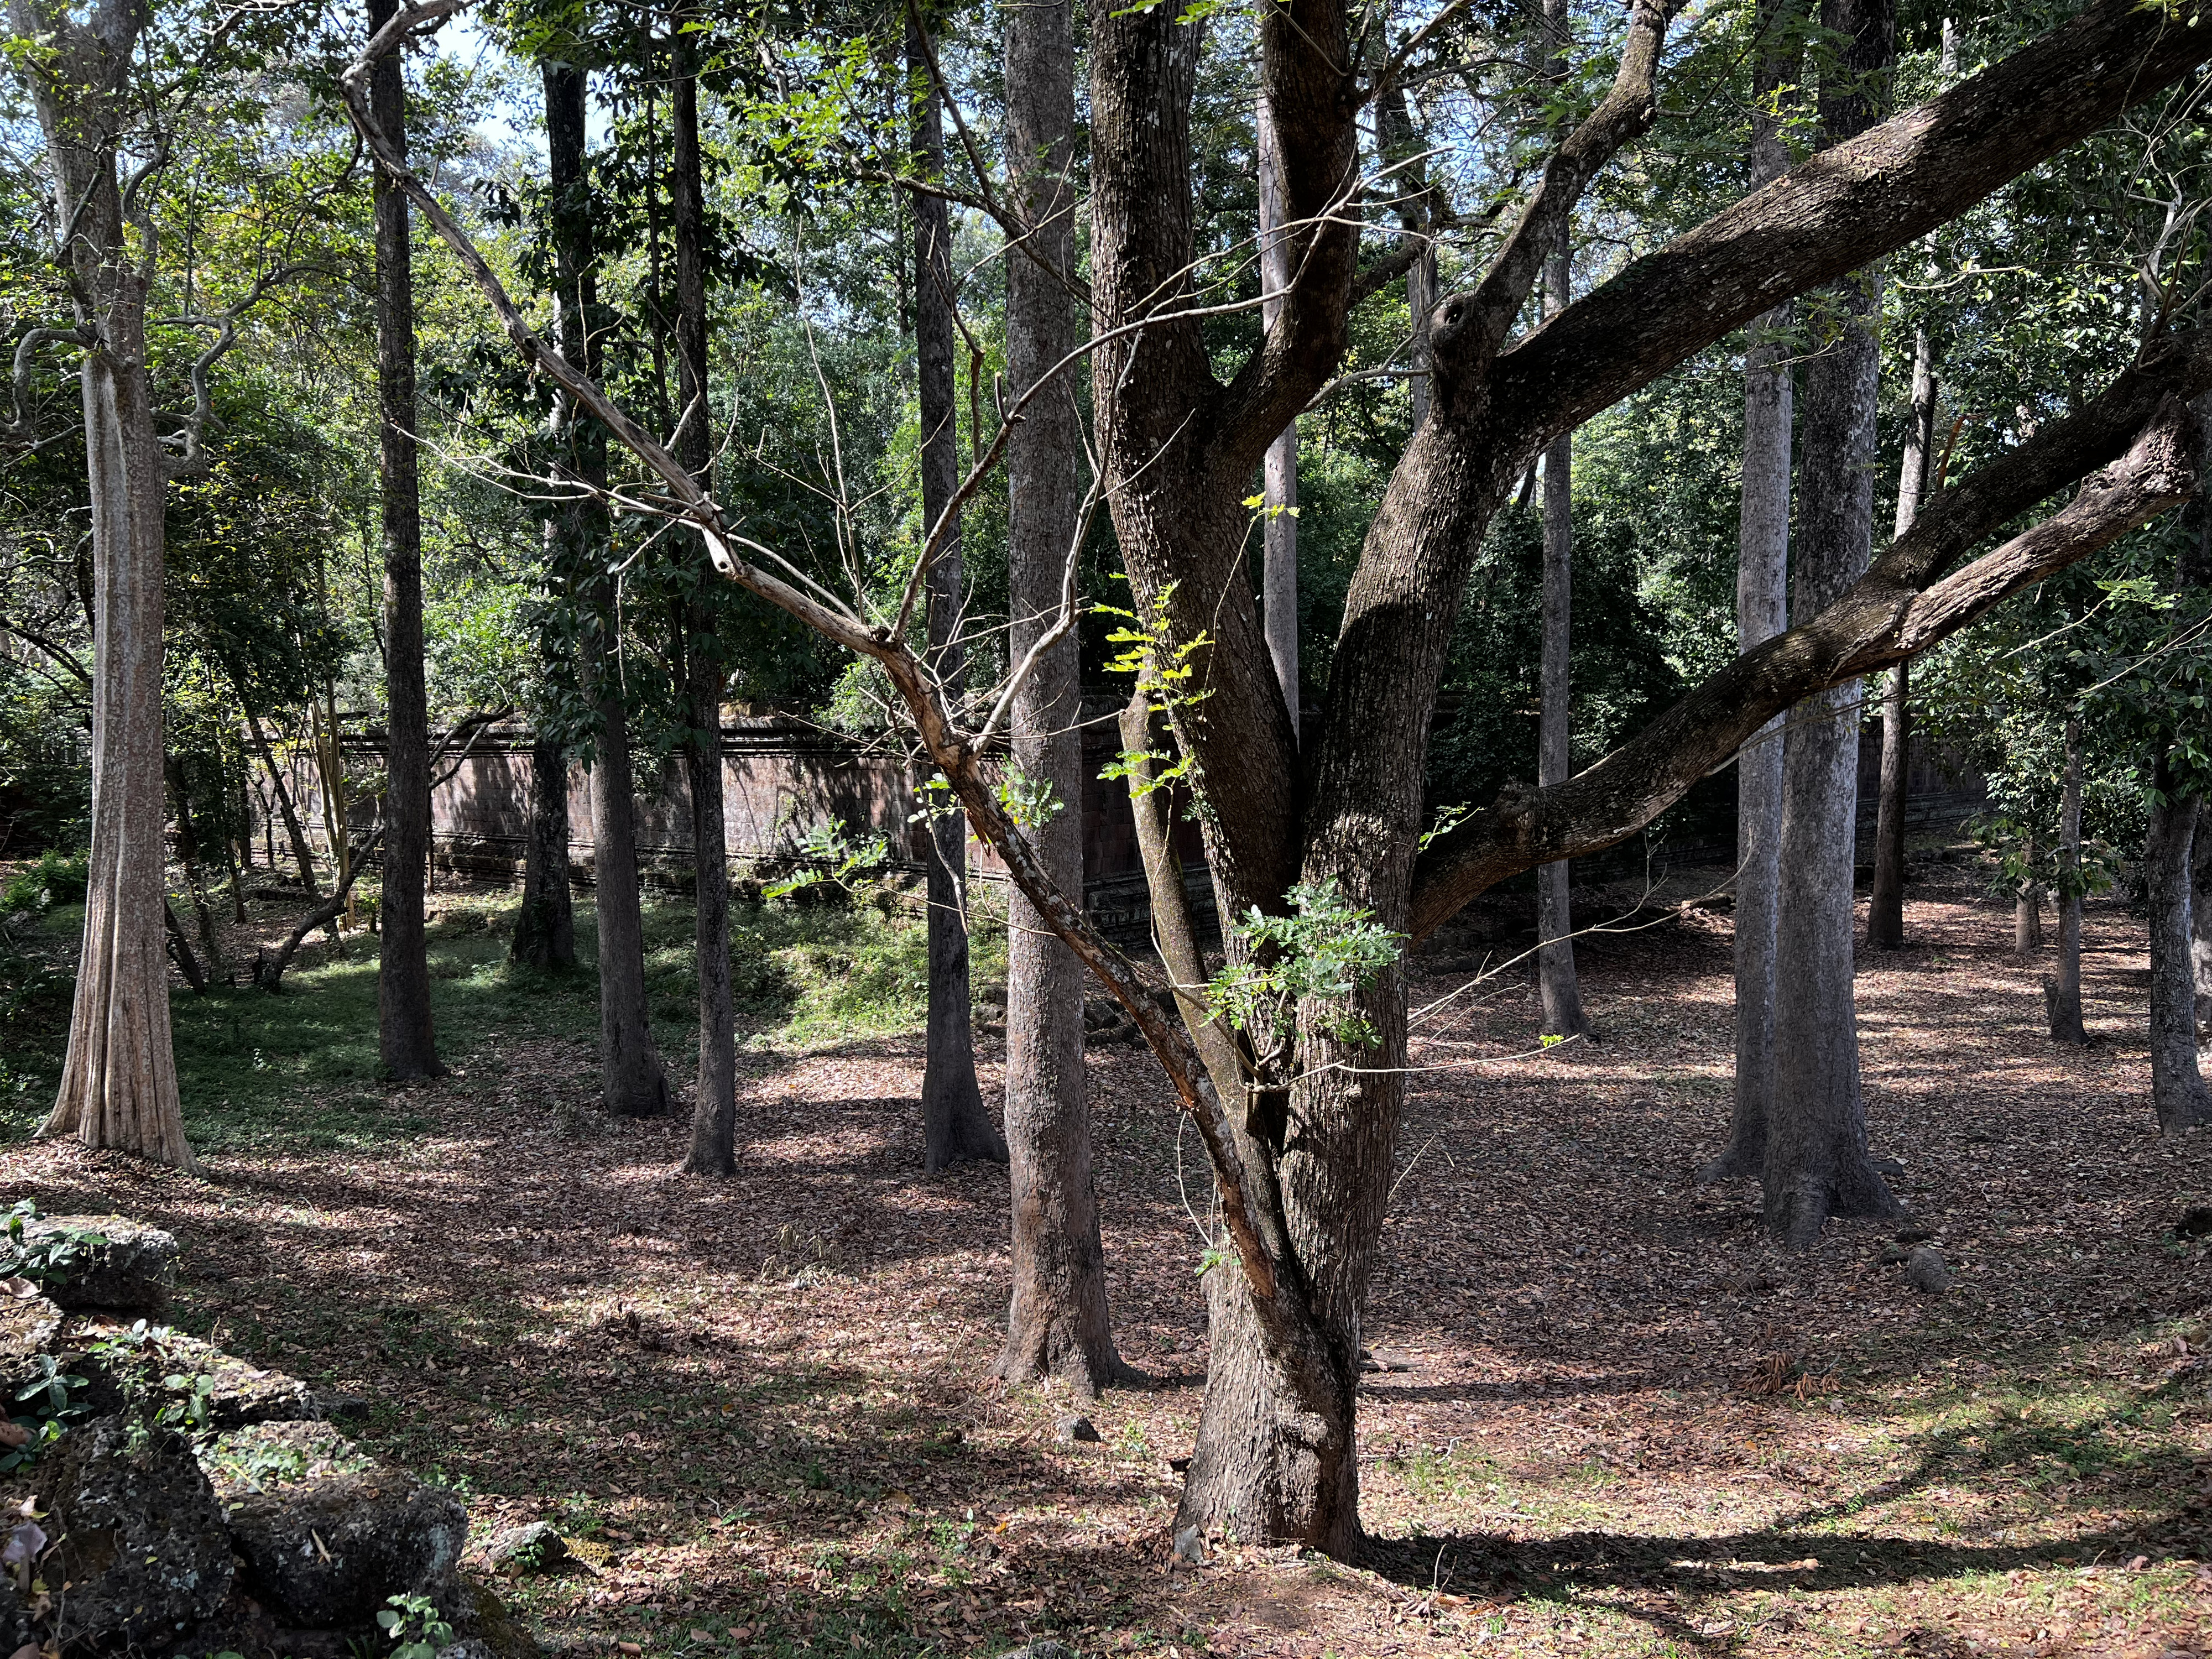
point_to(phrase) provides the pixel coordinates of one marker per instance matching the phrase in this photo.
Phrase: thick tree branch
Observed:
(1902, 606)
(189, 460)
(1840, 208)
(1306, 80)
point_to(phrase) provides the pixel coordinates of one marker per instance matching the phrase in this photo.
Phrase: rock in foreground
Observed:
(138, 1537)
(102, 1261)
(325, 1534)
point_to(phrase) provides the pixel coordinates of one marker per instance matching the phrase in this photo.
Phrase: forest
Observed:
(1316, 828)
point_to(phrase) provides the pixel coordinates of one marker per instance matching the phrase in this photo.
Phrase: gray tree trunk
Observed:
(118, 1084)
(956, 1125)
(407, 1043)
(1817, 1160)
(2195, 571)
(2200, 940)
(2178, 1095)
(1555, 951)
(2027, 912)
(1886, 905)
(714, 1101)
(2062, 995)
(1278, 490)
(1056, 1324)
(1761, 612)
(631, 1081)
(545, 923)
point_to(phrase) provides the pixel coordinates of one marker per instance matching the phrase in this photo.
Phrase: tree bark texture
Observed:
(545, 922)
(407, 1044)
(714, 1101)
(1886, 905)
(2195, 570)
(2062, 994)
(2178, 1095)
(1057, 1325)
(1279, 482)
(118, 1083)
(956, 1125)
(632, 1083)
(1557, 984)
(1762, 586)
(1817, 1161)
(2200, 940)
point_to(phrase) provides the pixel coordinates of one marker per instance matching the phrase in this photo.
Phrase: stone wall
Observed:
(781, 779)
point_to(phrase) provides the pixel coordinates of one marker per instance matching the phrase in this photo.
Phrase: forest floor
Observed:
(1609, 1420)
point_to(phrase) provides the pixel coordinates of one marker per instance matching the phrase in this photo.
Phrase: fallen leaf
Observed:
(702, 1636)
(627, 1647)
(14, 1434)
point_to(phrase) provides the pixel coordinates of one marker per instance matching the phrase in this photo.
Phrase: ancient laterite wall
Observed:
(781, 779)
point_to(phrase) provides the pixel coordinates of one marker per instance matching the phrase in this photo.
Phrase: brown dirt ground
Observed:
(1611, 1419)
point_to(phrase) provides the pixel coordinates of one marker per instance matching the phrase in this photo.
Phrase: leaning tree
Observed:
(1300, 1121)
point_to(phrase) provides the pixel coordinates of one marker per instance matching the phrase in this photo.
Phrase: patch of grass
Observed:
(834, 972)
(300, 1068)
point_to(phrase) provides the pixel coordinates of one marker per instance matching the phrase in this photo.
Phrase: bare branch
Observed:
(21, 427)
(1475, 324)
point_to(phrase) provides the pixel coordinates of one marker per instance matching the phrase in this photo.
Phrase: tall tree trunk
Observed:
(2194, 571)
(302, 853)
(1278, 480)
(1761, 612)
(1886, 906)
(2200, 940)
(2061, 996)
(1555, 950)
(190, 849)
(118, 1083)
(631, 1081)
(545, 923)
(715, 1103)
(1056, 1323)
(2178, 1090)
(545, 920)
(1817, 1160)
(2027, 911)
(406, 1043)
(956, 1125)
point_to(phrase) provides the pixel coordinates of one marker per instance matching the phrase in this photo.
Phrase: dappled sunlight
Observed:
(1603, 1411)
